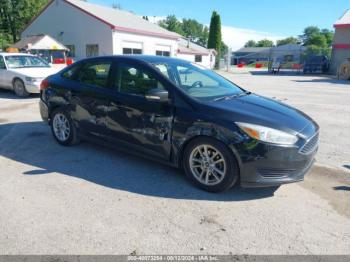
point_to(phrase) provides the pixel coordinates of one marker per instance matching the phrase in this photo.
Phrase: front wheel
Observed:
(63, 128)
(19, 88)
(210, 165)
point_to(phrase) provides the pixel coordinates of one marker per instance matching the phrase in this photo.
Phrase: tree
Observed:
(189, 28)
(215, 40)
(265, 43)
(15, 14)
(308, 32)
(329, 36)
(250, 43)
(261, 43)
(288, 40)
(172, 24)
(195, 31)
(317, 41)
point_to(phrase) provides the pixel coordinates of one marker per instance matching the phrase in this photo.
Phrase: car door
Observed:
(3, 72)
(90, 93)
(140, 123)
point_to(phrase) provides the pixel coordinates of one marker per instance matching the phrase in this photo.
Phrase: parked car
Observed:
(23, 73)
(316, 65)
(181, 114)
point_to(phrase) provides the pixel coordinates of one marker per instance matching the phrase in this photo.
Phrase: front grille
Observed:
(310, 145)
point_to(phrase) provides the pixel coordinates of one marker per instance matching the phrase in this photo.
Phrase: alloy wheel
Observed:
(208, 165)
(61, 127)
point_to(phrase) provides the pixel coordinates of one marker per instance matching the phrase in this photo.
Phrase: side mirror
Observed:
(157, 94)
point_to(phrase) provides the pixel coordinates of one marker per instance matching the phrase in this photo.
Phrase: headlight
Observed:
(33, 79)
(267, 134)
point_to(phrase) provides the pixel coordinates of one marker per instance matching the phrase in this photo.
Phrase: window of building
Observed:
(136, 81)
(198, 58)
(95, 73)
(71, 52)
(132, 51)
(92, 50)
(162, 53)
(2, 63)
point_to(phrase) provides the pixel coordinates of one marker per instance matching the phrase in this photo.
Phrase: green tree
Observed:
(197, 32)
(288, 40)
(15, 14)
(172, 24)
(251, 43)
(189, 28)
(317, 41)
(329, 36)
(308, 32)
(261, 43)
(265, 43)
(215, 39)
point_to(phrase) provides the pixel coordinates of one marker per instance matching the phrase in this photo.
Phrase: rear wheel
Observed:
(19, 88)
(63, 128)
(210, 165)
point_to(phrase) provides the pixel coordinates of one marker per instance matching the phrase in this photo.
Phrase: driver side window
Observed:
(2, 63)
(189, 77)
(136, 81)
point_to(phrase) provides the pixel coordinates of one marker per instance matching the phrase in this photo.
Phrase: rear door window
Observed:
(95, 73)
(136, 81)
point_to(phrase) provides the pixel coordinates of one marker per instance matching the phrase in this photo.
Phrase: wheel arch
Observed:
(17, 78)
(231, 148)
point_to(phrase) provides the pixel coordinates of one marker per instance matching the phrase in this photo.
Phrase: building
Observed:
(92, 30)
(248, 55)
(284, 53)
(195, 53)
(341, 42)
(44, 46)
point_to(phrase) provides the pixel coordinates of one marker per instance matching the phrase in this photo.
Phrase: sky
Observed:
(243, 20)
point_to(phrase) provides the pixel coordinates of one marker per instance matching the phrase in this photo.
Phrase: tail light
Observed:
(44, 84)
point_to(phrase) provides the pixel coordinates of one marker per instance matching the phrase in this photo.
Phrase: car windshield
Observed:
(199, 82)
(21, 61)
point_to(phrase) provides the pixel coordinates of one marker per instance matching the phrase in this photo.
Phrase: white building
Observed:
(92, 30)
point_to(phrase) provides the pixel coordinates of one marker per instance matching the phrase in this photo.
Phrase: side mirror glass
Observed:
(157, 94)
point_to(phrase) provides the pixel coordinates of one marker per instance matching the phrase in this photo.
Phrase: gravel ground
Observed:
(91, 200)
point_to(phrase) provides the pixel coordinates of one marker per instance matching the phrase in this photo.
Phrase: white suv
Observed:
(23, 73)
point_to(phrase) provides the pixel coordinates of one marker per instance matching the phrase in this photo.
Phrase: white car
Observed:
(23, 73)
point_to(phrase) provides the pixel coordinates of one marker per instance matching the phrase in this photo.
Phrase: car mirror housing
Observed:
(157, 94)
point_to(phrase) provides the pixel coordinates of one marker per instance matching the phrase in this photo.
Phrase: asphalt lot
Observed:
(92, 200)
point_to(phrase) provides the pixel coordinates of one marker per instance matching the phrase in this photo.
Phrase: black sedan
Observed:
(181, 114)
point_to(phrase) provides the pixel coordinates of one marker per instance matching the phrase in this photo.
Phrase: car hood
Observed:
(40, 72)
(260, 110)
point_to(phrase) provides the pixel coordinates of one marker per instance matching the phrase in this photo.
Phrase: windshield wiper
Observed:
(233, 96)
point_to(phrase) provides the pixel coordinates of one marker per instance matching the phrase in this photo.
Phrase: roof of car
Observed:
(15, 54)
(145, 58)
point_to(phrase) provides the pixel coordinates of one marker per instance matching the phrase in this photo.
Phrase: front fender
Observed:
(188, 127)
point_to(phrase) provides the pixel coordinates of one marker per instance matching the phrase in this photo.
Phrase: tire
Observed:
(344, 70)
(19, 88)
(63, 128)
(203, 171)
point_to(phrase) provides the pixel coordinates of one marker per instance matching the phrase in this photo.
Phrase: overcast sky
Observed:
(245, 19)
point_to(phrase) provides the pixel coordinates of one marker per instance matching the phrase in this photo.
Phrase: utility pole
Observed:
(228, 62)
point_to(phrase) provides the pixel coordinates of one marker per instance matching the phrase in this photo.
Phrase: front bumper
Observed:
(44, 111)
(33, 87)
(270, 165)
